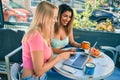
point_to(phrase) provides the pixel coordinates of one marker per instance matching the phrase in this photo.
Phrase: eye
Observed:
(65, 15)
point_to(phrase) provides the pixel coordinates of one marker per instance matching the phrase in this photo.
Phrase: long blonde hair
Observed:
(42, 18)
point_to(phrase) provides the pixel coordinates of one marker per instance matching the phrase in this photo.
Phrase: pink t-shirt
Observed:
(35, 42)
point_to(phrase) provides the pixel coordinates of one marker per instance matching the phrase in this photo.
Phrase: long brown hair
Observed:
(42, 18)
(63, 8)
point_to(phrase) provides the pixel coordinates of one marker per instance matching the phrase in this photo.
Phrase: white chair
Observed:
(116, 52)
(118, 49)
(112, 50)
(15, 71)
(10, 49)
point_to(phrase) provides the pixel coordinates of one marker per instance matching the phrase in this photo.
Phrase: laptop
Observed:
(77, 61)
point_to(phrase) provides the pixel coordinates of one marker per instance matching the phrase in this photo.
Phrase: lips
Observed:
(65, 23)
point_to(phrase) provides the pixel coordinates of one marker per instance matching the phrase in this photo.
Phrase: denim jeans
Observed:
(53, 75)
(50, 75)
(35, 78)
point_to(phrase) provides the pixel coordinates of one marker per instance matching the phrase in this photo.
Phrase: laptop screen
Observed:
(77, 61)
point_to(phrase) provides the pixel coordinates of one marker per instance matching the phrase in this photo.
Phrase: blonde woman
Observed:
(37, 54)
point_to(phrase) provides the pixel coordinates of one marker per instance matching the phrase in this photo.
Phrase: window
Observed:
(21, 11)
(1, 16)
(13, 12)
(34, 2)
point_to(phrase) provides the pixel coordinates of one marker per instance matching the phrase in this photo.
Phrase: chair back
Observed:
(9, 41)
(16, 71)
(118, 56)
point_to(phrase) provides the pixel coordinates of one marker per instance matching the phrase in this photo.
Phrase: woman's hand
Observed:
(65, 55)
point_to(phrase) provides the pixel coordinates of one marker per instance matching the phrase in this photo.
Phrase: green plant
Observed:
(82, 20)
(105, 26)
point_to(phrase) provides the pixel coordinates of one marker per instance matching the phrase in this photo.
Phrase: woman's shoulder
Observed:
(31, 34)
(34, 33)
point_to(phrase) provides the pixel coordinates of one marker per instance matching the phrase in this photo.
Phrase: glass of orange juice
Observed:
(86, 46)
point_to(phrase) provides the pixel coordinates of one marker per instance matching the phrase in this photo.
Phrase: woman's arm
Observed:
(59, 50)
(38, 61)
(72, 41)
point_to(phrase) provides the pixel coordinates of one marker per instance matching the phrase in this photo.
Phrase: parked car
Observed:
(16, 13)
(101, 15)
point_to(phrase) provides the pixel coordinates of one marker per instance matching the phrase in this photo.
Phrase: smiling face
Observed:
(65, 18)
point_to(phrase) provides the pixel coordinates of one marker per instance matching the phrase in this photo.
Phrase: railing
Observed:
(16, 26)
